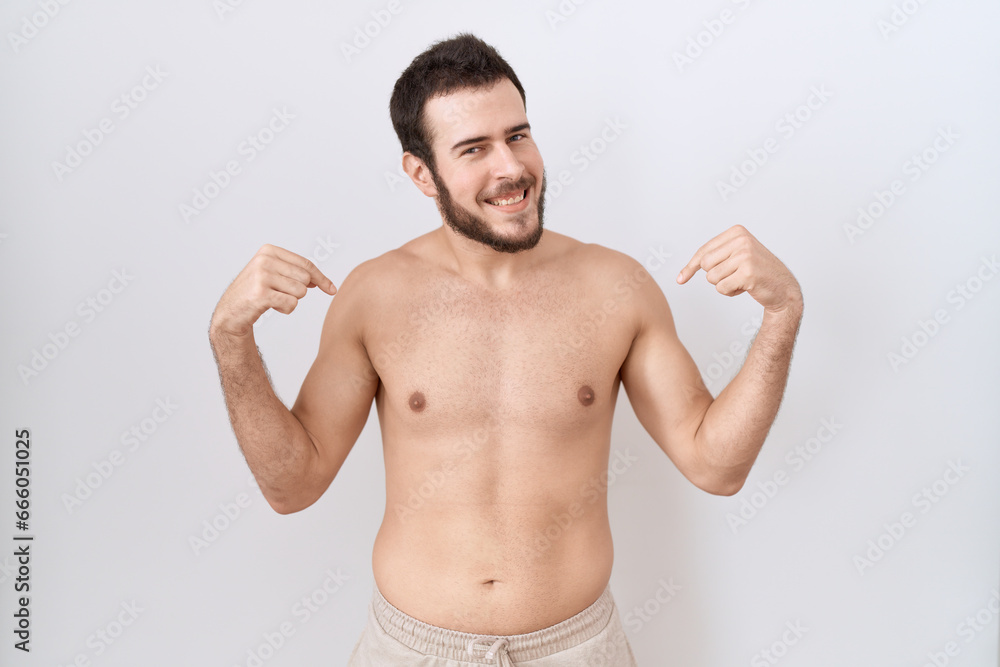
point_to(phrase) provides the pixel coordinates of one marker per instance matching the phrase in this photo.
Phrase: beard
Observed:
(477, 229)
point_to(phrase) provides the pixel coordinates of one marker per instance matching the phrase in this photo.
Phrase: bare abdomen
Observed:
(502, 551)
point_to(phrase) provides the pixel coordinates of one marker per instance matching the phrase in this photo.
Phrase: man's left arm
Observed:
(714, 442)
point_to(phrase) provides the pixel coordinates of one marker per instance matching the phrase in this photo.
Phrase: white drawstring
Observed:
(500, 641)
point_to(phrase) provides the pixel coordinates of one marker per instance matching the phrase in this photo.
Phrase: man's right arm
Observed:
(294, 457)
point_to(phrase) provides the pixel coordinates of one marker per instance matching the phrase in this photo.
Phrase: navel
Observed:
(417, 401)
(586, 395)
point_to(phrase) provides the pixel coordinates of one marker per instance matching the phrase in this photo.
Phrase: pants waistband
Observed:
(464, 646)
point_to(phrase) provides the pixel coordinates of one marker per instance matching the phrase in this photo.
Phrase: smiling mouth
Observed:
(509, 200)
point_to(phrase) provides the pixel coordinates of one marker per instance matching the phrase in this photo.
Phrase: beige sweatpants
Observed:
(592, 638)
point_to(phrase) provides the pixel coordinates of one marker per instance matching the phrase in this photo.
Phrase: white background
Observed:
(330, 180)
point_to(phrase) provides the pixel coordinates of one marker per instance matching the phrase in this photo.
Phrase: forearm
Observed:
(738, 420)
(276, 446)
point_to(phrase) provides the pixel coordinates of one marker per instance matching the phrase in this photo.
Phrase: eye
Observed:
(469, 151)
(523, 136)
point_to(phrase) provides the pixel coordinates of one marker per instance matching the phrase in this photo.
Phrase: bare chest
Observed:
(545, 357)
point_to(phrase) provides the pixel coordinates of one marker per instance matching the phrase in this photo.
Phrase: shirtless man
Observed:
(494, 352)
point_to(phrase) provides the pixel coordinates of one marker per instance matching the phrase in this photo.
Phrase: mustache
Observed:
(519, 185)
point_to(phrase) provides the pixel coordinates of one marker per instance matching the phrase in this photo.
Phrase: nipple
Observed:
(417, 401)
(586, 395)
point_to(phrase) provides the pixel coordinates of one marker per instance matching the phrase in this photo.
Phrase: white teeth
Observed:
(508, 202)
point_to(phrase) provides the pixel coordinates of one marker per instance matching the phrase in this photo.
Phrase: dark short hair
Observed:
(464, 61)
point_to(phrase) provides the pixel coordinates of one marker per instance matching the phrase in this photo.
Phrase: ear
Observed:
(419, 173)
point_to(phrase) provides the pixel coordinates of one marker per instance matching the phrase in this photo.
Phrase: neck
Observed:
(478, 263)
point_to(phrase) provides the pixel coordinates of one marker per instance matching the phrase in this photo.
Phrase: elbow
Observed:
(722, 481)
(285, 508)
(288, 504)
(723, 486)
(722, 475)
(288, 507)
(295, 493)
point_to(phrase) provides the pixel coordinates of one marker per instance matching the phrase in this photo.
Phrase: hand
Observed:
(275, 278)
(736, 262)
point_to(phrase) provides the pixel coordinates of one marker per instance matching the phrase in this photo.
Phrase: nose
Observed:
(506, 165)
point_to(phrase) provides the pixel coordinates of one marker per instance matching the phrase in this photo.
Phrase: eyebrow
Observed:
(476, 140)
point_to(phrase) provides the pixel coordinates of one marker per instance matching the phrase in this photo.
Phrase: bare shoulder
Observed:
(605, 264)
(613, 281)
(376, 277)
(632, 287)
(378, 286)
(610, 259)
(381, 276)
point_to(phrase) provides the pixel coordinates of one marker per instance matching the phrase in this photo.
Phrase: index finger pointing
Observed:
(320, 280)
(316, 277)
(698, 261)
(691, 267)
